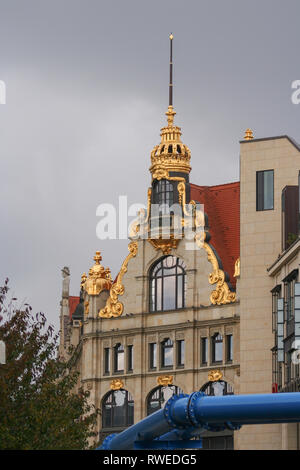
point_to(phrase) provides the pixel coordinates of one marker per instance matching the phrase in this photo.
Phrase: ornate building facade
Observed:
(180, 319)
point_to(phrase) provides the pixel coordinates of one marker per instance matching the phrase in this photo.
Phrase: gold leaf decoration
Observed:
(116, 384)
(165, 380)
(113, 307)
(215, 375)
(222, 294)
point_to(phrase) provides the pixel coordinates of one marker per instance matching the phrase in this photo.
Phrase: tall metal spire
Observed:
(171, 72)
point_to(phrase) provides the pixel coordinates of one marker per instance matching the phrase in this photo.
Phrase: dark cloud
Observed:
(86, 96)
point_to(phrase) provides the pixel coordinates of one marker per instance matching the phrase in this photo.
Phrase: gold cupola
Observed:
(171, 155)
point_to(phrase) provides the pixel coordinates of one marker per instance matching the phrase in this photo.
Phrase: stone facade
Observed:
(248, 319)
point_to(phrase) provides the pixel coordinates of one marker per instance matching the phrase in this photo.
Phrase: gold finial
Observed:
(248, 134)
(99, 278)
(170, 116)
(171, 36)
(97, 257)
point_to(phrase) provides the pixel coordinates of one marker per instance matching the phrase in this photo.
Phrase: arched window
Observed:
(159, 396)
(167, 284)
(167, 353)
(117, 409)
(217, 348)
(118, 358)
(220, 387)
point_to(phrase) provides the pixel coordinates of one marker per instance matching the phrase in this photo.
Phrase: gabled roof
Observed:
(222, 206)
(73, 302)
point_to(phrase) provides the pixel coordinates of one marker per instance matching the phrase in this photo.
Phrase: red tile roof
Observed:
(73, 302)
(222, 206)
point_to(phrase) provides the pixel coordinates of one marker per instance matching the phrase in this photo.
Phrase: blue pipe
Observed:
(186, 415)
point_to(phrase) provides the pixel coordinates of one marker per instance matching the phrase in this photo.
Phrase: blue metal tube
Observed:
(183, 413)
(147, 429)
(248, 409)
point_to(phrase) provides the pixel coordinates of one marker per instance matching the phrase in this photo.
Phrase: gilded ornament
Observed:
(248, 134)
(99, 278)
(86, 307)
(171, 154)
(116, 384)
(215, 375)
(164, 245)
(113, 307)
(222, 294)
(165, 380)
(237, 268)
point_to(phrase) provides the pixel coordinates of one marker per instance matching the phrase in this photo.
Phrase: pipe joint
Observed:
(168, 411)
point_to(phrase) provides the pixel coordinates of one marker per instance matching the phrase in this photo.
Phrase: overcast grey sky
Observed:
(86, 96)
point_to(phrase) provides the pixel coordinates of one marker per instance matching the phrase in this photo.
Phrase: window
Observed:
(163, 193)
(167, 353)
(217, 348)
(229, 348)
(153, 355)
(119, 358)
(106, 360)
(290, 294)
(117, 409)
(275, 296)
(180, 352)
(167, 284)
(217, 388)
(159, 396)
(204, 350)
(264, 190)
(130, 358)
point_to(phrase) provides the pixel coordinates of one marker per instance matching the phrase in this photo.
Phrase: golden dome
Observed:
(171, 154)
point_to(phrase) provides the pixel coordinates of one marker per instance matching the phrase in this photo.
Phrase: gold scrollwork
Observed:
(116, 384)
(165, 380)
(113, 307)
(237, 268)
(222, 294)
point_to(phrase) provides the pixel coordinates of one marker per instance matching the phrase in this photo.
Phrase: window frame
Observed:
(164, 346)
(260, 191)
(214, 342)
(128, 419)
(180, 353)
(117, 352)
(204, 351)
(152, 356)
(107, 353)
(157, 281)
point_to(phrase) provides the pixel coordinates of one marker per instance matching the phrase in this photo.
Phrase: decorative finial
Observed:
(97, 257)
(99, 278)
(248, 134)
(171, 36)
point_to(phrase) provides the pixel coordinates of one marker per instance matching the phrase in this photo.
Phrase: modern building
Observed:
(207, 297)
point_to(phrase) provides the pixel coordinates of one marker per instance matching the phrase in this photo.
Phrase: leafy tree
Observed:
(39, 405)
